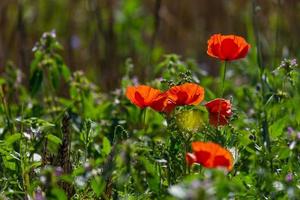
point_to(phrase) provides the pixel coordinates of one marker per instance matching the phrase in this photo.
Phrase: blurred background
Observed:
(99, 35)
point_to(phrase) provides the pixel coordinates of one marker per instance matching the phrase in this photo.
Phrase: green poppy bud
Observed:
(191, 120)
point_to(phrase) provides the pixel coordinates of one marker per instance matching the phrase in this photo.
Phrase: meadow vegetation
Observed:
(180, 133)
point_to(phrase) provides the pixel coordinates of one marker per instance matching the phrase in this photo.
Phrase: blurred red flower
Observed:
(219, 111)
(210, 155)
(227, 47)
(142, 95)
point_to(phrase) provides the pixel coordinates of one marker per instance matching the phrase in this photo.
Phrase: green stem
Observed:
(224, 68)
(24, 159)
(223, 74)
(187, 141)
(264, 118)
(86, 144)
(145, 119)
(7, 112)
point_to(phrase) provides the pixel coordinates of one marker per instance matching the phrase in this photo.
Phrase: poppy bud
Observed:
(191, 120)
(219, 112)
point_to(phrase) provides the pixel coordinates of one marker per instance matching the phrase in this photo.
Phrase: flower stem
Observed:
(145, 119)
(224, 68)
(223, 76)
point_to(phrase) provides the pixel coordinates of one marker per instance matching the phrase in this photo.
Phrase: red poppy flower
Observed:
(142, 95)
(186, 94)
(219, 111)
(210, 155)
(227, 47)
(162, 103)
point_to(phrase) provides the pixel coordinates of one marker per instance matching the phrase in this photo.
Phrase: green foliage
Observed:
(81, 143)
(47, 64)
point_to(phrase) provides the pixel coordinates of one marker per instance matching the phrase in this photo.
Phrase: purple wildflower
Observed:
(59, 171)
(298, 135)
(290, 131)
(289, 177)
(39, 194)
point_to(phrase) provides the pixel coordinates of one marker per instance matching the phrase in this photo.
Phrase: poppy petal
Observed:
(162, 103)
(142, 95)
(222, 161)
(243, 52)
(229, 49)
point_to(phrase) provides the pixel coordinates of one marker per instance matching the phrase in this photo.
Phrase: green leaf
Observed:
(65, 72)
(54, 139)
(55, 78)
(66, 178)
(244, 138)
(149, 166)
(3, 152)
(35, 82)
(8, 164)
(34, 165)
(106, 148)
(154, 183)
(276, 129)
(12, 138)
(98, 185)
(38, 56)
(59, 194)
(283, 153)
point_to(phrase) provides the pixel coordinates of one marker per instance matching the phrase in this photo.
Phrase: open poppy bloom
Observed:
(227, 47)
(219, 111)
(142, 95)
(210, 155)
(186, 94)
